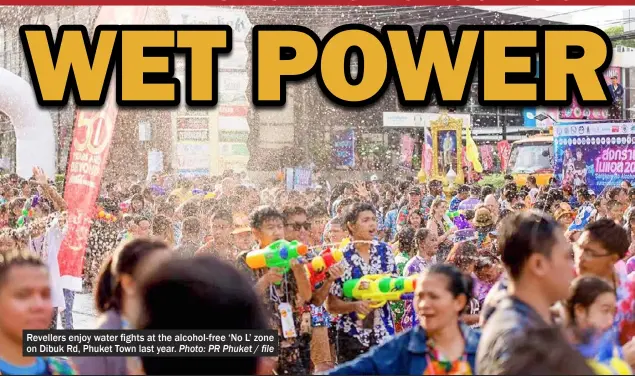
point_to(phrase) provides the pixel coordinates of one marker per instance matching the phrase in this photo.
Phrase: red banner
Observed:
(486, 157)
(87, 160)
(504, 150)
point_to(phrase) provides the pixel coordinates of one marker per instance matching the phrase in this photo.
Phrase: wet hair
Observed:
(531, 180)
(191, 208)
(124, 260)
(344, 204)
(615, 192)
(459, 283)
(508, 177)
(17, 257)
(436, 202)
(421, 235)
(315, 211)
(352, 213)
(486, 191)
(583, 291)
(628, 183)
(523, 234)
(161, 224)
(135, 189)
(406, 239)
(610, 235)
(464, 188)
(584, 192)
(462, 255)
(290, 211)
(137, 219)
(223, 215)
(510, 195)
(476, 190)
(210, 294)
(191, 226)
(138, 197)
(263, 214)
(528, 355)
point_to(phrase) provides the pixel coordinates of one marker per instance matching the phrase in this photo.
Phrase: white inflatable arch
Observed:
(35, 141)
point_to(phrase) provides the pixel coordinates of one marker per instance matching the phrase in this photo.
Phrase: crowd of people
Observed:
(499, 273)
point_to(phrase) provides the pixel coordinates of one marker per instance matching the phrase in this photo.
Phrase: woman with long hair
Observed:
(464, 256)
(426, 247)
(117, 297)
(440, 345)
(404, 250)
(439, 226)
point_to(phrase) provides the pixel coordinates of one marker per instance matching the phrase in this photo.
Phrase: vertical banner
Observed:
(344, 148)
(407, 148)
(486, 157)
(504, 150)
(427, 157)
(87, 160)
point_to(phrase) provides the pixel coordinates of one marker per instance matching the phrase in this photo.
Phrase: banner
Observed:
(407, 148)
(87, 160)
(504, 151)
(598, 155)
(575, 112)
(487, 152)
(344, 148)
(427, 155)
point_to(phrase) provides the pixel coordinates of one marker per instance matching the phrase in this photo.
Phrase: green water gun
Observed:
(379, 289)
(276, 255)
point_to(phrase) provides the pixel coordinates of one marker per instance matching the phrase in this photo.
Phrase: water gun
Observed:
(26, 210)
(276, 255)
(458, 219)
(317, 269)
(379, 289)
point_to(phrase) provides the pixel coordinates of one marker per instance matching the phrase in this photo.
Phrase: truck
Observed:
(532, 156)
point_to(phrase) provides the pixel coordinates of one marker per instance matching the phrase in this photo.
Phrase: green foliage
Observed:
(496, 180)
(615, 31)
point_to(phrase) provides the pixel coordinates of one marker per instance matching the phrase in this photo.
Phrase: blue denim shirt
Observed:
(404, 354)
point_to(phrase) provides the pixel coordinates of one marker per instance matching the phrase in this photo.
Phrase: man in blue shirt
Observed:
(364, 255)
(539, 263)
(461, 194)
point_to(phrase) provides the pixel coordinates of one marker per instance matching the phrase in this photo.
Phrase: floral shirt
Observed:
(481, 289)
(454, 203)
(415, 265)
(381, 262)
(390, 223)
(439, 365)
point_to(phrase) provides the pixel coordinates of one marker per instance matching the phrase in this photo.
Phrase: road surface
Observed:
(84, 313)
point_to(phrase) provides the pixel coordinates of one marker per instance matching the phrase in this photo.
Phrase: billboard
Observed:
(598, 155)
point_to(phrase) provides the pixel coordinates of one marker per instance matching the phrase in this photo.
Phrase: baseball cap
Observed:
(414, 190)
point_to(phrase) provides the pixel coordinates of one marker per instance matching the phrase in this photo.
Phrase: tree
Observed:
(615, 31)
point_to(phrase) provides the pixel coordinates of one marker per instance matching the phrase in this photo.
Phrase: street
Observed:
(84, 313)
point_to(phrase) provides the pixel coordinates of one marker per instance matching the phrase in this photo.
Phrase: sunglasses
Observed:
(298, 226)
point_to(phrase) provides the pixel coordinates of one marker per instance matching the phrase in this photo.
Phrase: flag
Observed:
(92, 135)
(472, 151)
(426, 151)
